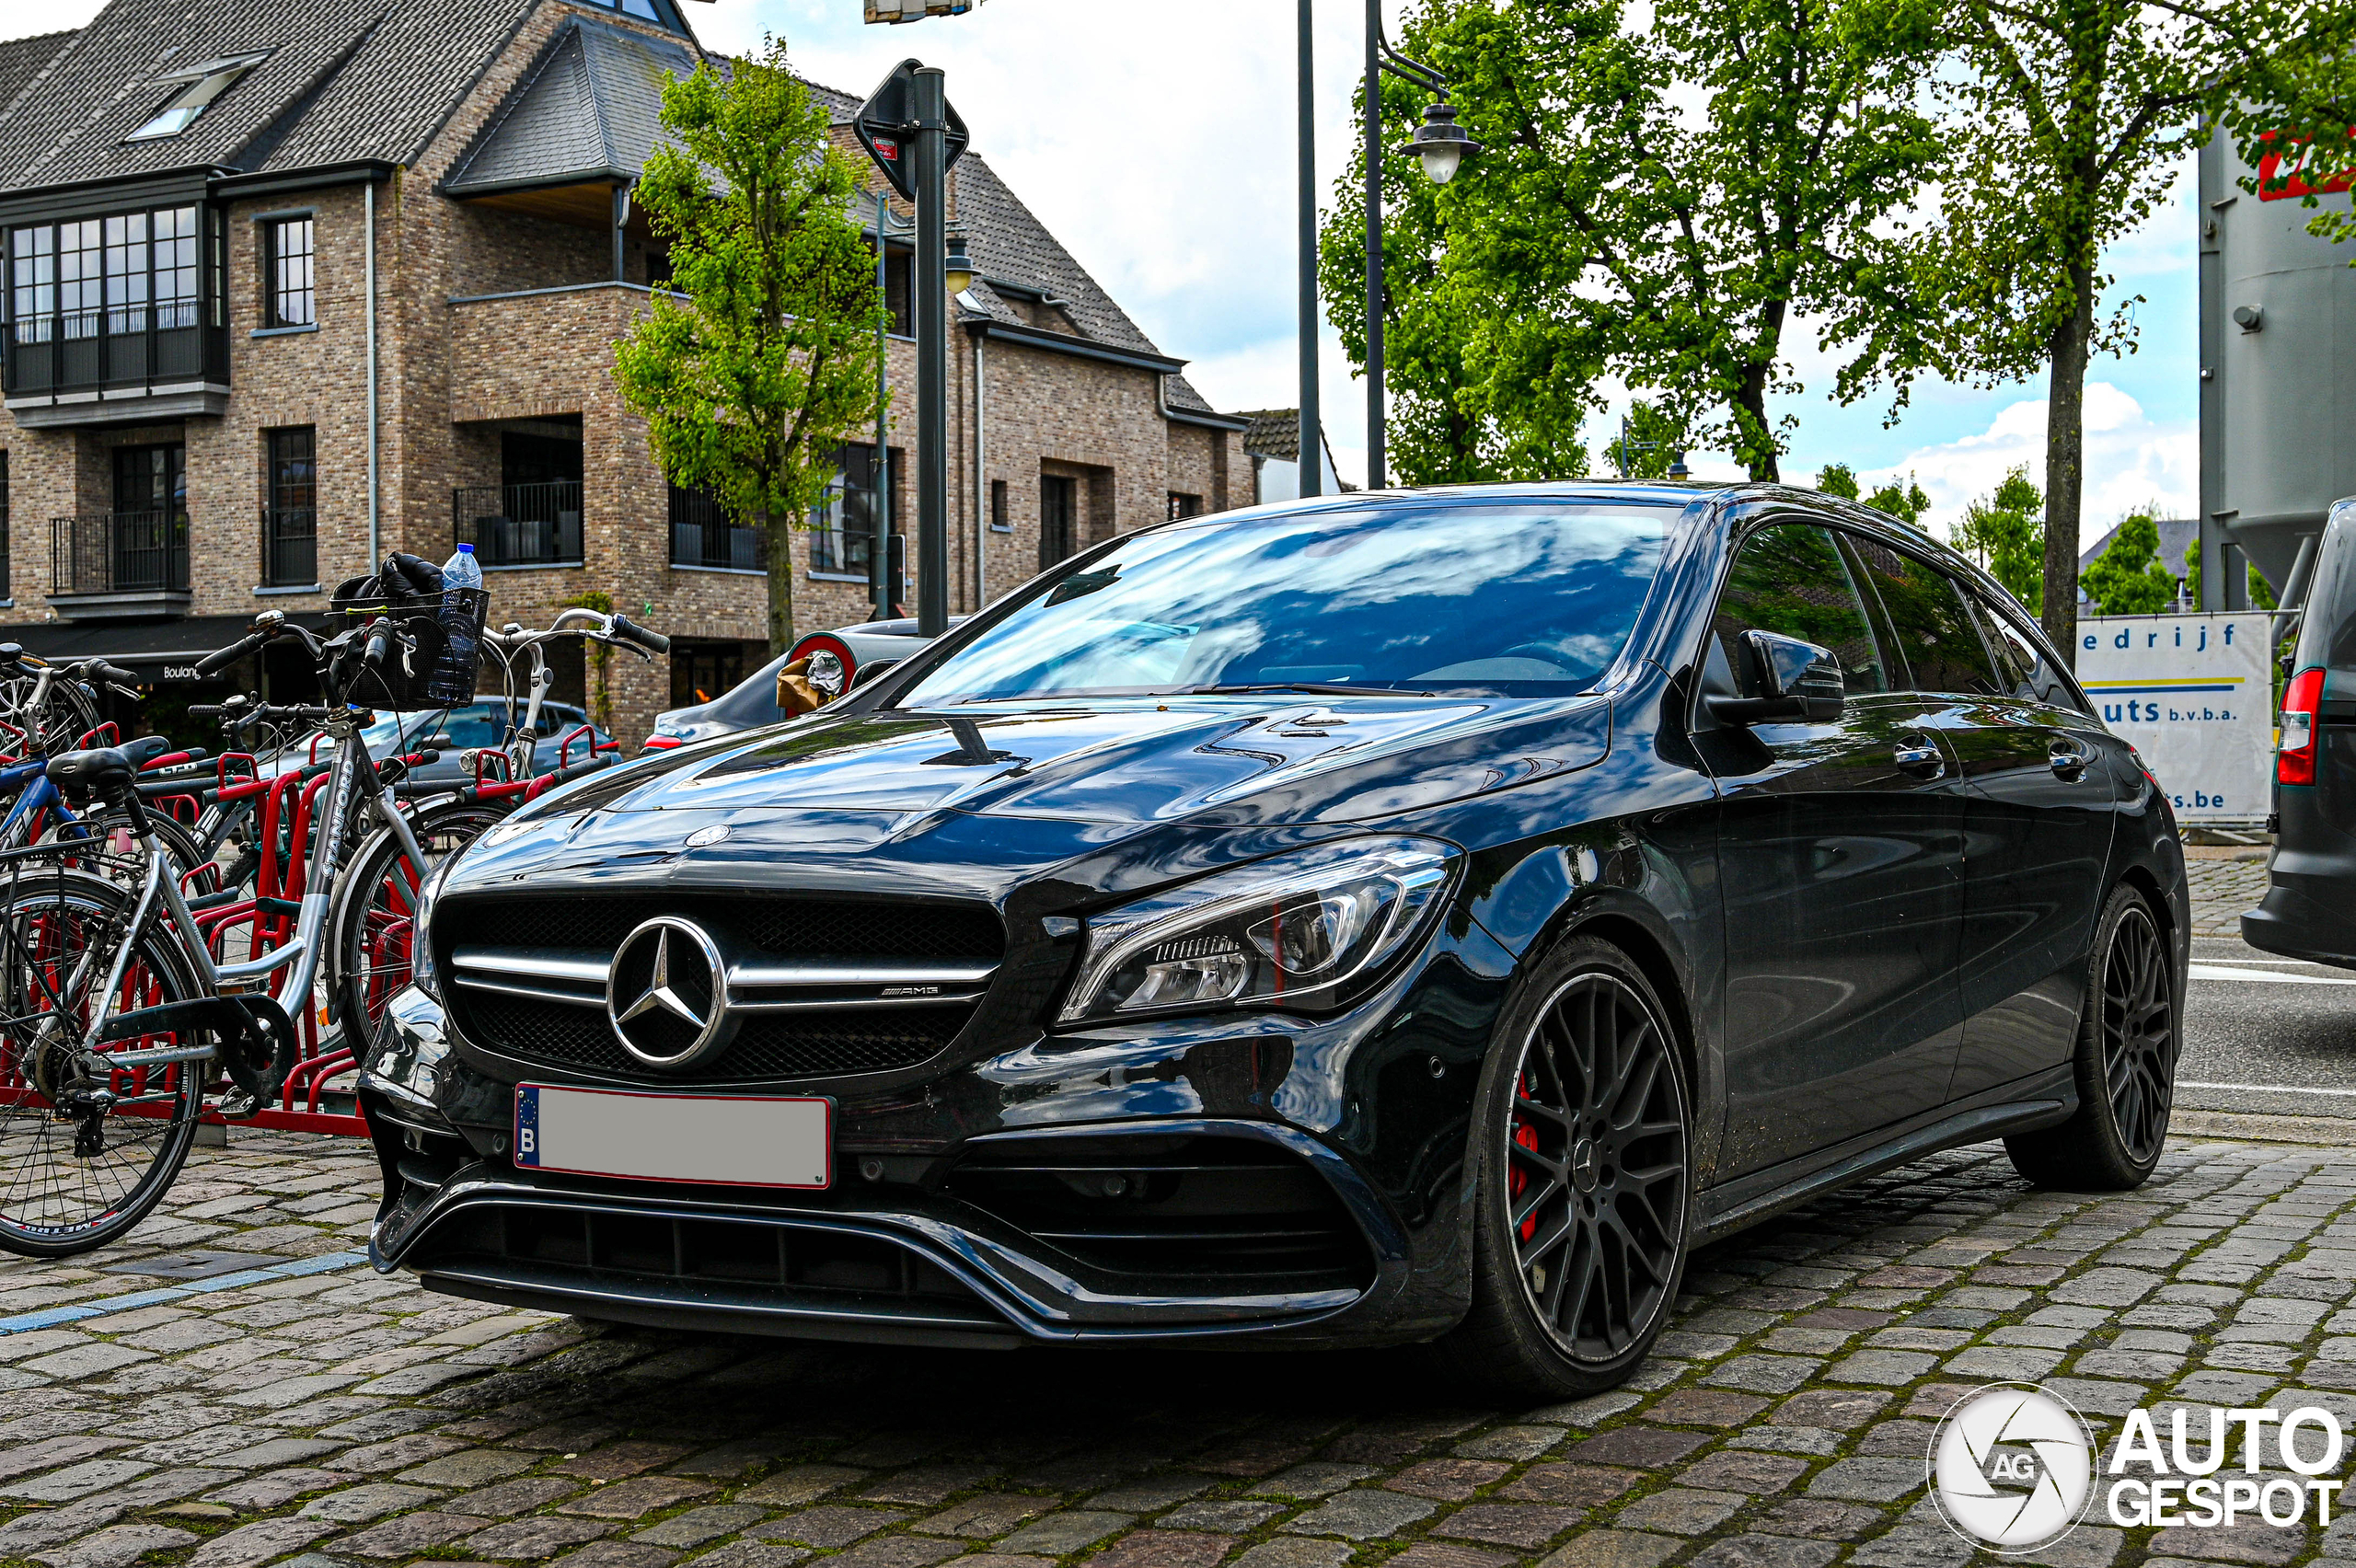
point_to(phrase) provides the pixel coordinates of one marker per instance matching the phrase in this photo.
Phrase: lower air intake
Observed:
(1195, 1214)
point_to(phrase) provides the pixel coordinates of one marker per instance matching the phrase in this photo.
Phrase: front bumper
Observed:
(1354, 1126)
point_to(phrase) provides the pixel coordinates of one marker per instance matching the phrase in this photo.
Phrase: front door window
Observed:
(148, 542)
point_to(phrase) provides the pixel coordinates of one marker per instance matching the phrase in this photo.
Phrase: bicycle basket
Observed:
(437, 653)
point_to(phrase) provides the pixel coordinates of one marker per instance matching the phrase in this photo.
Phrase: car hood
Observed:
(1208, 761)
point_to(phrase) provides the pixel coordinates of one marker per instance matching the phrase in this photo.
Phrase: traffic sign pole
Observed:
(928, 99)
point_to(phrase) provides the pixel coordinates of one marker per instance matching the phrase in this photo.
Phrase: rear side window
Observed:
(1926, 613)
(2025, 669)
(1789, 579)
(2327, 634)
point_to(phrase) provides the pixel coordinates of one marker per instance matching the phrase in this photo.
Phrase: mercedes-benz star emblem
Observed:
(666, 994)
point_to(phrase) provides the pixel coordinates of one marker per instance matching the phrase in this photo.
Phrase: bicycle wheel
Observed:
(376, 909)
(87, 1148)
(70, 712)
(107, 833)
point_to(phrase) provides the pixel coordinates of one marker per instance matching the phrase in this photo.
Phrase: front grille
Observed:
(564, 1023)
(747, 1266)
(786, 928)
(1195, 1214)
(768, 1046)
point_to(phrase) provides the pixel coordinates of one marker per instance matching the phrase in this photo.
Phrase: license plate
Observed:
(734, 1140)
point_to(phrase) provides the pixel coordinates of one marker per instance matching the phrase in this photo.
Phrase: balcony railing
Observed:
(118, 552)
(290, 547)
(701, 535)
(519, 524)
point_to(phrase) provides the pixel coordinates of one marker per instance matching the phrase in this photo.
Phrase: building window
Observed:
(999, 520)
(1059, 518)
(703, 535)
(126, 263)
(199, 88)
(175, 268)
(1182, 505)
(287, 297)
(843, 524)
(79, 286)
(32, 311)
(290, 530)
(897, 291)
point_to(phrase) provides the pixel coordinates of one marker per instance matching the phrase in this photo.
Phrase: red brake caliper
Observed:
(1526, 1136)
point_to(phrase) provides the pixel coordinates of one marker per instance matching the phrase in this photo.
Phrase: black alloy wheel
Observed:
(2129, 1039)
(2138, 1024)
(1587, 1183)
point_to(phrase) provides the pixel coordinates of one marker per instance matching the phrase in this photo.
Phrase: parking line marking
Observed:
(50, 1318)
(2226, 971)
(2268, 1088)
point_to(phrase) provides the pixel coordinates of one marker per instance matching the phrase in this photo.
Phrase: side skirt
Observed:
(2041, 1100)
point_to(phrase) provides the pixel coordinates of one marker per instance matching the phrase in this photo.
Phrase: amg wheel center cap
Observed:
(1583, 1165)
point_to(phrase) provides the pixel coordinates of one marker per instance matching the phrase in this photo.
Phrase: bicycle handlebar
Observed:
(652, 641)
(222, 658)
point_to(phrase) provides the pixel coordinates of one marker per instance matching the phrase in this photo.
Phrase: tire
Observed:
(1582, 1145)
(2130, 1038)
(370, 943)
(59, 1194)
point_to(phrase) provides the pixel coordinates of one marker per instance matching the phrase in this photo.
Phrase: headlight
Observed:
(422, 972)
(1292, 931)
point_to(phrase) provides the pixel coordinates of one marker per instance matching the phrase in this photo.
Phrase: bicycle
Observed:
(109, 1056)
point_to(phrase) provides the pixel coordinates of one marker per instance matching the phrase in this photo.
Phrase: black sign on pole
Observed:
(886, 127)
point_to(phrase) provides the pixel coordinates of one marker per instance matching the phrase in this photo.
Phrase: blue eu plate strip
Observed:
(105, 1306)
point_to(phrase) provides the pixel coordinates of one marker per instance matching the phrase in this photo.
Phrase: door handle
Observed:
(1921, 757)
(2068, 760)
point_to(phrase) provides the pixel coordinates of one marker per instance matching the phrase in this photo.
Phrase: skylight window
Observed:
(199, 86)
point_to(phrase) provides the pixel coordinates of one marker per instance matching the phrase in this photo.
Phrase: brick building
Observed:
(289, 283)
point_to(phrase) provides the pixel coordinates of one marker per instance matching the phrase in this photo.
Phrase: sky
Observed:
(1157, 141)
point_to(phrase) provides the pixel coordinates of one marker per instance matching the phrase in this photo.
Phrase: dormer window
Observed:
(199, 86)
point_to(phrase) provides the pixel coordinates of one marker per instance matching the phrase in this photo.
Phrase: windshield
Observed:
(1527, 600)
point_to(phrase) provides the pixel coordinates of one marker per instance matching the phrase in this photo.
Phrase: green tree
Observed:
(1906, 503)
(1657, 202)
(2005, 533)
(1838, 479)
(2069, 120)
(2261, 592)
(2128, 577)
(750, 386)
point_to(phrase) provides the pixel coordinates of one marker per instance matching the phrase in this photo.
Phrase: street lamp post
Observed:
(885, 583)
(1441, 145)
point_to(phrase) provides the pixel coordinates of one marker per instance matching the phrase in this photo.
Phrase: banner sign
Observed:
(2195, 694)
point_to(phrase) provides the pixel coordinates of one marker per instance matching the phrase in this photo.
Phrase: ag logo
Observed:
(2012, 1467)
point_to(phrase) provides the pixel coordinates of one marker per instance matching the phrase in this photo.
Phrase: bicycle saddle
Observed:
(100, 772)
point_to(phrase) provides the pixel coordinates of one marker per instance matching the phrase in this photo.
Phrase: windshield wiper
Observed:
(1313, 689)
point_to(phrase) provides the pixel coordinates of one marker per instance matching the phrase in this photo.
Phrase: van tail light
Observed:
(2301, 713)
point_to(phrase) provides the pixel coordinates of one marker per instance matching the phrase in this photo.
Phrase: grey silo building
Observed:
(2278, 379)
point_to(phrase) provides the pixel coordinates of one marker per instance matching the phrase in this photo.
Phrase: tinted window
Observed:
(2327, 634)
(1941, 646)
(1525, 600)
(2025, 669)
(1790, 579)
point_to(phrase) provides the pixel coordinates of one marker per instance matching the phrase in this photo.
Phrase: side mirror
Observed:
(1798, 682)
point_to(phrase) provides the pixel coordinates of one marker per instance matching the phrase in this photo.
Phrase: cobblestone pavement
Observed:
(2221, 890)
(310, 1410)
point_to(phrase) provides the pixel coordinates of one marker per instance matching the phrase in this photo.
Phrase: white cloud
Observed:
(2132, 460)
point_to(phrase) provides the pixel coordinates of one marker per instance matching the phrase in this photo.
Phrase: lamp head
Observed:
(960, 265)
(1441, 142)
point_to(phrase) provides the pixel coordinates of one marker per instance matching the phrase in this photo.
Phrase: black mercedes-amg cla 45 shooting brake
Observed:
(1397, 918)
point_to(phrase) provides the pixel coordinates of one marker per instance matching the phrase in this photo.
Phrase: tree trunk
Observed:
(1751, 405)
(2065, 465)
(778, 532)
